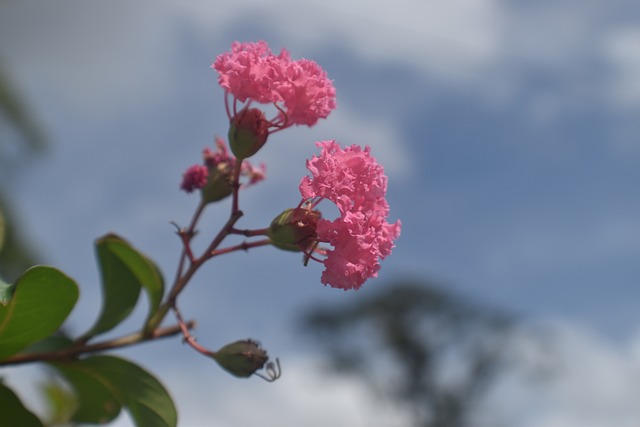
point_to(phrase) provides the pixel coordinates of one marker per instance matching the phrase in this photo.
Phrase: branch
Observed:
(75, 351)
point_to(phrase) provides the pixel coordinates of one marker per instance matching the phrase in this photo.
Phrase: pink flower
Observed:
(194, 178)
(220, 156)
(250, 71)
(360, 236)
(254, 173)
(300, 90)
(307, 93)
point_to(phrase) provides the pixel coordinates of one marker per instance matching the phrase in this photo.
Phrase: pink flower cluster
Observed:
(360, 236)
(301, 90)
(301, 93)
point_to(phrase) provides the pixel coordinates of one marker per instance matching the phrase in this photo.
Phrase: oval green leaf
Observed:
(147, 401)
(42, 299)
(98, 402)
(124, 271)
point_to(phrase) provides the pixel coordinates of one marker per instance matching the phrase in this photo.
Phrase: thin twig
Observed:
(236, 187)
(244, 246)
(188, 338)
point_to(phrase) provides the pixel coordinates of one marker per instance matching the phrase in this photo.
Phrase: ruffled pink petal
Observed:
(361, 236)
(250, 71)
(194, 178)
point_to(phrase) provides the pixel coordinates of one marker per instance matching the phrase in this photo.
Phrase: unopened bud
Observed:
(294, 229)
(248, 132)
(218, 184)
(241, 358)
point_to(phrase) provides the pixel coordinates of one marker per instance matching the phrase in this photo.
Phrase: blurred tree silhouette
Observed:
(20, 138)
(428, 351)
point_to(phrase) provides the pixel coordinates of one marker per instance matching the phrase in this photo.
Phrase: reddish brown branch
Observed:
(77, 350)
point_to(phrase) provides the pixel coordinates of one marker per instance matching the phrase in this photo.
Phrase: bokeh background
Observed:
(510, 132)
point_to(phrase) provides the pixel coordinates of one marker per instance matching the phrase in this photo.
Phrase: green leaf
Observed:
(107, 381)
(6, 292)
(97, 400)
(49, 344)
(124, 272)
(42, 300)
(13, 412)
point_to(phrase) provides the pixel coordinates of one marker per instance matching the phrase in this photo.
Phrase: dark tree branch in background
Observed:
(424, 349)
(20, 137)
(14, 114)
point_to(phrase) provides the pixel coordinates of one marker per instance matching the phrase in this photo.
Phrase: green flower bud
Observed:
(248, 132)
(218, 184)
(294, 229)
(241, 358)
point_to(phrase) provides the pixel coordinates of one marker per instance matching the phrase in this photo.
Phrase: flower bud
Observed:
(241, 358)
(248, 132)
(218, 184)
(294, 229)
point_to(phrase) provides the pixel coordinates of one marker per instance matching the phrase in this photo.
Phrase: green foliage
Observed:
(42, 300)
(13, 411)
(33, 310)
(97, 402)
(49, 344)
(105, 384)
(124, 272)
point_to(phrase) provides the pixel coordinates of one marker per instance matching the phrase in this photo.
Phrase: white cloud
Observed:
(596, 385)
(445, 37)
(621, 49)
(302, 397)
(123, 54)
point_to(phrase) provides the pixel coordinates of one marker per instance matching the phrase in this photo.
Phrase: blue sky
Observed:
(510, 131)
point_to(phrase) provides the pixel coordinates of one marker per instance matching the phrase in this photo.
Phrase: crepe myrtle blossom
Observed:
(360, 236)
(250, 73)
(215, 176)
(195, 177)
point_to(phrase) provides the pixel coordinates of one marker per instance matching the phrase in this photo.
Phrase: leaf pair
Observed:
(124, 272)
